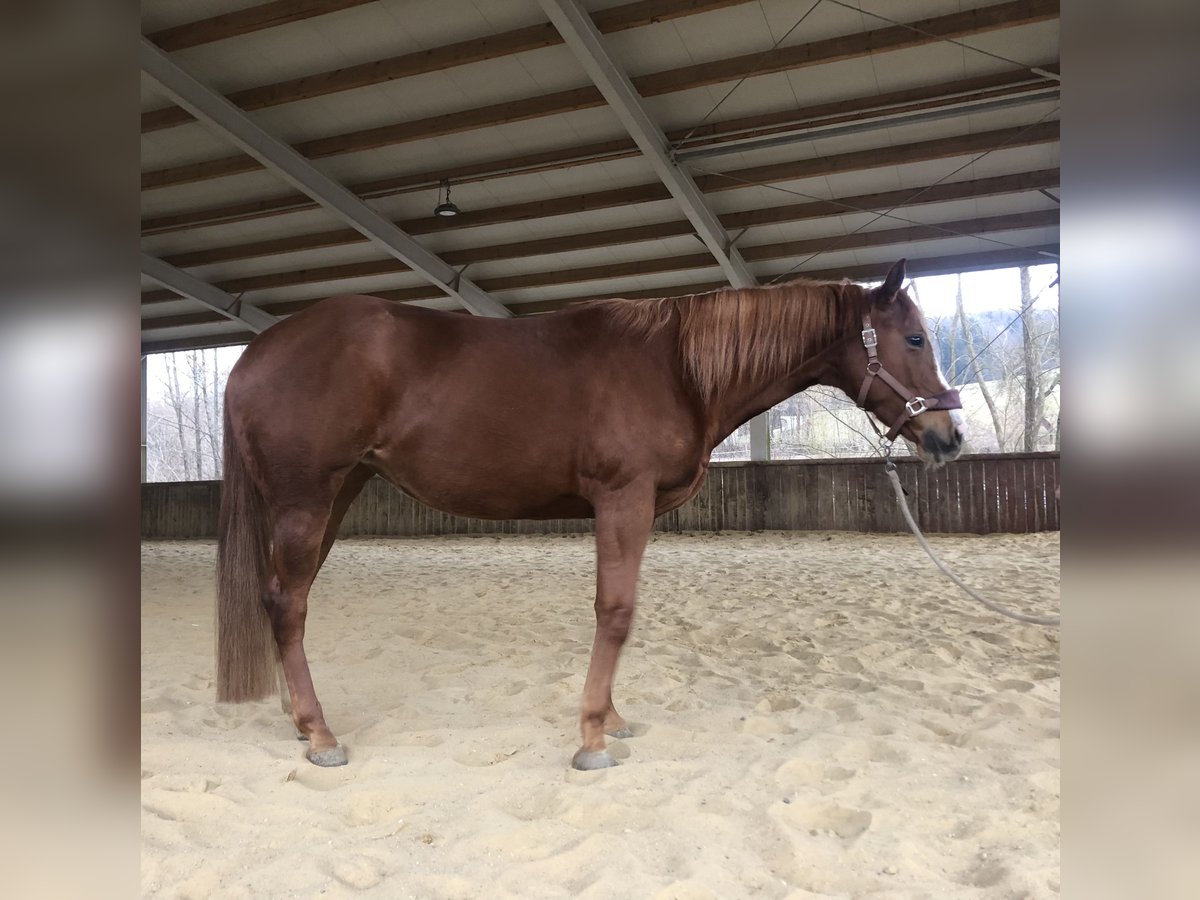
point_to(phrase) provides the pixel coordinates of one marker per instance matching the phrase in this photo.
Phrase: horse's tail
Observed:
(246, 650)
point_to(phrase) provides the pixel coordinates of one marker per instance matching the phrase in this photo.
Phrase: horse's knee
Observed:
(614, 616)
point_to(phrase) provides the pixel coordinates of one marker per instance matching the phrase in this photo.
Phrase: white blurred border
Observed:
(1131, 437)
(69, 97)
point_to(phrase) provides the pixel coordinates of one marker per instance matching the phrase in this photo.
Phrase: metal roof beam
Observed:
(581, 35)
(187, 285)
(281, 159)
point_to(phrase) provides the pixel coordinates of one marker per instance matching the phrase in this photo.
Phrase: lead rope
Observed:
(890, 467)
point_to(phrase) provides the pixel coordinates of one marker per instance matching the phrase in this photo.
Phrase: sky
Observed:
(987, 290)
(982, 291)
(156, 370)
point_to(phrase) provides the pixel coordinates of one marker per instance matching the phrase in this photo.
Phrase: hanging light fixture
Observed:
(446, 207)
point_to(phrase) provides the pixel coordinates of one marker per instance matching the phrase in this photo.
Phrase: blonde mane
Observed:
(755, 332)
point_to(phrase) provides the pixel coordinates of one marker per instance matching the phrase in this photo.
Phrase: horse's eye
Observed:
(916, 340)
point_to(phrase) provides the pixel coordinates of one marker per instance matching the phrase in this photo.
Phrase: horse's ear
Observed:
(887, 291)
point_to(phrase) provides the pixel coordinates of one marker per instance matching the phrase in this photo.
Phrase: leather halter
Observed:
(913, 405)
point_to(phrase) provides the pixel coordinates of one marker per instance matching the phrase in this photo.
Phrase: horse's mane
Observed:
(753, 332)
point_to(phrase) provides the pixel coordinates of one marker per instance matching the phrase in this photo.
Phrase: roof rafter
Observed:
(859, 160)
(587, 45)
(245, 21)
(507, 43)
(285, 162)
(849, 46)
(794, 212)
(915, 266)
(985, 87)
(187, 285)
(777, 250)
(929, 265)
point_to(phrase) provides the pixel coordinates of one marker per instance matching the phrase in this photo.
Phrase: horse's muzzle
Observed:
(938, 447)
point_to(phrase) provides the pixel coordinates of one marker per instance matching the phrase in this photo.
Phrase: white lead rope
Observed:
(908, 517)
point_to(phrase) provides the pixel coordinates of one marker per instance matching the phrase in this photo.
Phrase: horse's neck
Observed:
(747, 397)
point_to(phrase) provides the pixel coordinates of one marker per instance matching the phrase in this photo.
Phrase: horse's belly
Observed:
(477, 492)
(489, 506)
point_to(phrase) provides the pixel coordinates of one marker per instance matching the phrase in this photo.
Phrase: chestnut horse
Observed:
(608, 409)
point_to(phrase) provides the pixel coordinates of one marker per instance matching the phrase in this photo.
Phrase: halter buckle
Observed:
(869, 339)
(916, 406)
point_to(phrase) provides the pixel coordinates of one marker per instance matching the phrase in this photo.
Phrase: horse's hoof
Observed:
(621, 733)
(586, 760)
(334, 756)
(302, 737)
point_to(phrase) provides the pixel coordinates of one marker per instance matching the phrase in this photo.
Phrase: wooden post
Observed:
(760, 437)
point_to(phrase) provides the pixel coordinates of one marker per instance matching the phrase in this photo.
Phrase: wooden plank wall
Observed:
(180, 509)
(981, 494)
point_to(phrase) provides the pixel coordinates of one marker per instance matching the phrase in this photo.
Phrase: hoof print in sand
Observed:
(830, 819)
(359, 873)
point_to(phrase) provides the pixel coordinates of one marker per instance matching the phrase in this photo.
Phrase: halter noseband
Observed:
(913, 405)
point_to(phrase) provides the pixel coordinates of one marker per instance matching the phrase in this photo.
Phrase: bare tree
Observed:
(964, 324)
(1033, 397)
(215, 417)
(1058, 329)
(175, 396)
(206, 408)
(195, 367)
(191, 449)
(1040, 373)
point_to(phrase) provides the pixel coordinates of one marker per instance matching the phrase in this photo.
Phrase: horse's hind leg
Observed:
(623, 522)
(296, 553)
(350, 489)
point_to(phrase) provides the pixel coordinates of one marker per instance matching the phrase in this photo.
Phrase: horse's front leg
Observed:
(623, 522)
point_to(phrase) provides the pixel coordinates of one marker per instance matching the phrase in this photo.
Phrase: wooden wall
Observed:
(982, 494)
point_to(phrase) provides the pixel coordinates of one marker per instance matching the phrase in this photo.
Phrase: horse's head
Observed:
(893, 373)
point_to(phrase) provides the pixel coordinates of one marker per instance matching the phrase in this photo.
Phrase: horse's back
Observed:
(478, 416)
